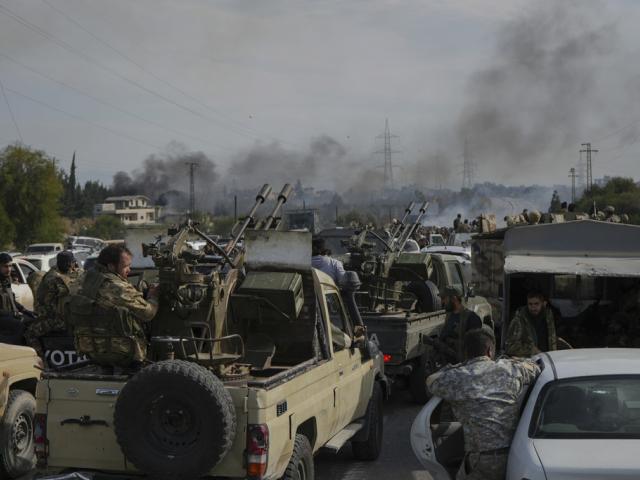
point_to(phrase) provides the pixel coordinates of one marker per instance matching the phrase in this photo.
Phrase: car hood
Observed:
(583, 459)
(12, 352)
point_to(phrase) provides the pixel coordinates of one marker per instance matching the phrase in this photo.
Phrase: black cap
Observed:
(65, 259)
(5, 258)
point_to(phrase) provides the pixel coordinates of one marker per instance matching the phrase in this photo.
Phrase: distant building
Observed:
(130, 209)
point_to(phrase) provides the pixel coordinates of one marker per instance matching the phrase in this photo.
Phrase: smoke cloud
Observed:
(164, 178)
(544, 88)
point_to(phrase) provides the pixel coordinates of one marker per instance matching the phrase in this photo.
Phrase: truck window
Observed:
(453, 272)
(337, 315)
(575, 287)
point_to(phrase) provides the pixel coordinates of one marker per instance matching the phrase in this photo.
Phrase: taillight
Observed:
(257, 451)
(387, 358)
(40, 438)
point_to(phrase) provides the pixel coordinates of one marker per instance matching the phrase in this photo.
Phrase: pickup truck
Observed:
(304, 377)
(20, 368)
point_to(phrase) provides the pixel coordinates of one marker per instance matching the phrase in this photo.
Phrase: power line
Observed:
(147, 71)
(13, 118)
(66, 46)
(82, 119)
(108, 104)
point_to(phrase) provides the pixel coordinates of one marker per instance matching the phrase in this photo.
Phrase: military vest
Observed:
(108, 334)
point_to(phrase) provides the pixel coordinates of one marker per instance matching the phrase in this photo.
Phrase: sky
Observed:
(249, 81)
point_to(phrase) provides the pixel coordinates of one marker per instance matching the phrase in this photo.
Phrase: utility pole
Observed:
(387, 152)
(192, 187)
(588, 150)
(468, 168)
(573, 175)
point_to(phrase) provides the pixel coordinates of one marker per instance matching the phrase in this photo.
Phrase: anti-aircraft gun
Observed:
(194, 289)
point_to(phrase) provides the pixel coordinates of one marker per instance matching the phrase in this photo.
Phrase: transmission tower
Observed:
(192, 187)
(573, 175)
(387, 152)
(589, 178)
(468, 168)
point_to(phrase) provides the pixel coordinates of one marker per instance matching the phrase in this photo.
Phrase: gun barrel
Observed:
(407, 212)
(260, 199)
(409, 231)
(282, 199)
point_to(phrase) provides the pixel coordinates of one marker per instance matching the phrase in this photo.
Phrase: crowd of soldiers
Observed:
(566, 213)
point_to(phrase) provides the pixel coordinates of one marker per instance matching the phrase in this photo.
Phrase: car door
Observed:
(436, 441)
(20, 287)
(352, 386)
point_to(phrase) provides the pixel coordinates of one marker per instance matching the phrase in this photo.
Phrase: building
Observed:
(130, 209)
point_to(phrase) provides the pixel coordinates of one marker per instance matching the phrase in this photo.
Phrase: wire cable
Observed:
(13, 118)
(82, 119)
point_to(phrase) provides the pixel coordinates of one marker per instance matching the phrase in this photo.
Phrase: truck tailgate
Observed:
(80, 424)
(400, 335)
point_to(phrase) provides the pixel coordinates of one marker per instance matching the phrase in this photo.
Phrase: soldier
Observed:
(459, 321)
(456, 222)
(54, 288)
(323, 262)
(465, 227)
(609, 214)
(532, 329)
(107, 312)
(485, 396)
(13, 316)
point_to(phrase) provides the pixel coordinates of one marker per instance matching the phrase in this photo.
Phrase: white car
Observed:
(44, 249)
(92, 244)
(42, 262)
(581, 420)
(20, 272)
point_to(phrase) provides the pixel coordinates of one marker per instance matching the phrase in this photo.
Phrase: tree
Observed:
(31, 193)
(621, 193)
(7, 229)
(107, 227)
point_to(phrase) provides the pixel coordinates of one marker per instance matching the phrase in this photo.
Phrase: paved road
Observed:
(396, 461)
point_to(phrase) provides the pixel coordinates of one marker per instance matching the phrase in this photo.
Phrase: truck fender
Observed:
(4, 392)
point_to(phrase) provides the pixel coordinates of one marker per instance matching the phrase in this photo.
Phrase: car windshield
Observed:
(461, 239)
(35, 262)
(40, 249)
(594, 407)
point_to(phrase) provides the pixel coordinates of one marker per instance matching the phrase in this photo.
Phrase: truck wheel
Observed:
(17, 456)
(418, 379)
(427, 295)
(175, 420)
(300, 465)
(370, 447)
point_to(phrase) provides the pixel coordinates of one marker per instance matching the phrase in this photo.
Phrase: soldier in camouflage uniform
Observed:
(532, 329)
(108, 312)
(55, 287)
(486, 396)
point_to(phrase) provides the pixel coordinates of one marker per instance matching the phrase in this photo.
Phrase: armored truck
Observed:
(289, 371)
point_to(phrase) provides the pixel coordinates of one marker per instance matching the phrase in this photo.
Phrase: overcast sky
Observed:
(524, 82)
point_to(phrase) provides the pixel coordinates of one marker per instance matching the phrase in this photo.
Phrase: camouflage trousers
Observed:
(486, 466)
(38, 329)
(111, 350)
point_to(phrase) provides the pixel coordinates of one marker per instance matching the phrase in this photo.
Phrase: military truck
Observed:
(591, 282)
(20, 367)
(399, 299)
(289, 371)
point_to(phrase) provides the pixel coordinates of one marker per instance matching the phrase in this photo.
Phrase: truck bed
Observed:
(400, 334)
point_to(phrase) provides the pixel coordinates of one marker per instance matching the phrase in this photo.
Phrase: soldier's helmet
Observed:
(534, 217)
(5, 259)
(610, 209)
(624, 218)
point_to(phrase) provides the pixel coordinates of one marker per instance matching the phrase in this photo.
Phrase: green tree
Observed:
(107, 227)
(621, 193)
(7, 229)
(31, 192)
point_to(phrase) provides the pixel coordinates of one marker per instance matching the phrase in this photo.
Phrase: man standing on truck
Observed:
(459, 321)
(485, 396)
(322, 261)
(109, 331)
(532, 330)
(53, 290)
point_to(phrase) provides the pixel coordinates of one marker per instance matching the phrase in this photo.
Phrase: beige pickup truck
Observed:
(308, 379)
(20, 368)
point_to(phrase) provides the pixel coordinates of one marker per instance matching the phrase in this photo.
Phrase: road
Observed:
(396, 461)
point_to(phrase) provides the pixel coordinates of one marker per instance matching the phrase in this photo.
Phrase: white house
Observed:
(130, 209)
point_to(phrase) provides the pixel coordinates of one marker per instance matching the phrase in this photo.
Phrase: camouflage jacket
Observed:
(52, 290)
(486, 396)
(521, 338)
(8, 303)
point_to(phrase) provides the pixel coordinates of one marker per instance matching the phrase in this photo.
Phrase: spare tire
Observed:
(175, 420)
(427, 295)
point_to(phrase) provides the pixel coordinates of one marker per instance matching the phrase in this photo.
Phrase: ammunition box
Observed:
(282, 290)
(410, 266)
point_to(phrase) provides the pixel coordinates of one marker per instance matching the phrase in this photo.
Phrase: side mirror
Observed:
(471, 290)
